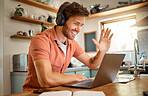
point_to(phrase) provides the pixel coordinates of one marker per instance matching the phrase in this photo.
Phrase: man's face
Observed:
(73, 26)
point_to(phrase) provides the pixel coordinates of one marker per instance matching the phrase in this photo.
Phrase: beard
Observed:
(67, 32)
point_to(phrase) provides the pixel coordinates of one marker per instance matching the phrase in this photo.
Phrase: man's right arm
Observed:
(48, 78)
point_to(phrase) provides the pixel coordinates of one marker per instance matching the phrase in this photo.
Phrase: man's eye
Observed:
(82, 25)
(76, 23)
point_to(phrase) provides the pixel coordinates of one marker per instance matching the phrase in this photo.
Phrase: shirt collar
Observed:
(54, 35)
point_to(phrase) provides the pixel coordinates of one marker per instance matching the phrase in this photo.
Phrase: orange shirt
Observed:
(44, 45)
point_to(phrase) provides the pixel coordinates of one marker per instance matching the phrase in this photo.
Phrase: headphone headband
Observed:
(61, 18)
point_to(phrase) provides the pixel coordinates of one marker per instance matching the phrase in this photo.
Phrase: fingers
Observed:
(111, 36)
(108, 33)
(102, 32)
(95, 42)
(80, 77)
(105, 34)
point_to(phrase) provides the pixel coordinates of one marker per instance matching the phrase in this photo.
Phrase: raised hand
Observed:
(105, 40)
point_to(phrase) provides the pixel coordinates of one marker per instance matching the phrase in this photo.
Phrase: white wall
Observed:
(1, 45)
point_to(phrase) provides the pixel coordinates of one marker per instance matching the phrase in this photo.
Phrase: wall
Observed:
(143, 38)
(1, 45)
(143, 32)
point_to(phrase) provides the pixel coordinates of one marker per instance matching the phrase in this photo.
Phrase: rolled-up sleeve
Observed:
(39, 48)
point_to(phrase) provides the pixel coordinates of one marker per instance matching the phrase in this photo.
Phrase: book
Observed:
(76, 93)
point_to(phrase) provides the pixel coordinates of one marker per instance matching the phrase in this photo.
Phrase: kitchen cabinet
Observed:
(69, 73)
(17, 81)
(85, 73)
(18, 78)
(93, 73)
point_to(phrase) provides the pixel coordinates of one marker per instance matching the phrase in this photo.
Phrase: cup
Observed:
(31, 16)
(36, 17)
(41, 18)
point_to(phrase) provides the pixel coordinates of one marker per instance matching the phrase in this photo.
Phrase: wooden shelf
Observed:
(21, 37)
(118, 10)
(39, 5)
(30, 20)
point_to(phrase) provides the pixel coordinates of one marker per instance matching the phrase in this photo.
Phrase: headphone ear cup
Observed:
(61, 19)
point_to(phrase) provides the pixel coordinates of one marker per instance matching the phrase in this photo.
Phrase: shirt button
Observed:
(64, 58)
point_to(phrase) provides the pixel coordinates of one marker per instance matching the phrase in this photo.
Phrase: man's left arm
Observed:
(103, 45)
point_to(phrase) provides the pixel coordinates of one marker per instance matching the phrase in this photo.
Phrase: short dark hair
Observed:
(75, 9)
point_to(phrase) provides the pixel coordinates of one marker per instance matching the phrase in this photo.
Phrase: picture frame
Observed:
(89, 46)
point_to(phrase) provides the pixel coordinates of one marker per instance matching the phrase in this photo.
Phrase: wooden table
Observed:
(133, 88)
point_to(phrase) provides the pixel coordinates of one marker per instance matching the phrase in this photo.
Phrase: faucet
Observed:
(136, 68)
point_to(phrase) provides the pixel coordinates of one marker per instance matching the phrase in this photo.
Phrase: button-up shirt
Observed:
(44, 45)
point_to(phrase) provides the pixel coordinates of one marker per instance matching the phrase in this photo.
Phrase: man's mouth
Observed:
(74, 33)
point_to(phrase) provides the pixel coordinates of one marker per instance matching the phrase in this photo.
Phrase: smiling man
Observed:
(50, 51)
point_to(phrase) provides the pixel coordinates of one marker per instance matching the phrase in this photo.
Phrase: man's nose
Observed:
(78, 28)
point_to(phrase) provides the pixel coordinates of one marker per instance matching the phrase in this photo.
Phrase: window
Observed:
(124, 34)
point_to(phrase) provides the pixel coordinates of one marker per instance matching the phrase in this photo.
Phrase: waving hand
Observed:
(105, 40)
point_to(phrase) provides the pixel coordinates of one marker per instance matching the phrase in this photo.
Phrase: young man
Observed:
(50, 51)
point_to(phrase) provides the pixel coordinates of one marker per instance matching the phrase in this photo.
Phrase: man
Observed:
(50, 51)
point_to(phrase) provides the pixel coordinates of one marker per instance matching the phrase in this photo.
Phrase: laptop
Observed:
(106, 73)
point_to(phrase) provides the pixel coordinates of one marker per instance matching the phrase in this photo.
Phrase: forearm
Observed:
(58, 79)
(55, 79)
(95, 61)
(48, 78)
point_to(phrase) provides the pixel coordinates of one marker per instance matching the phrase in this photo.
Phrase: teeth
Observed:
(74, 33)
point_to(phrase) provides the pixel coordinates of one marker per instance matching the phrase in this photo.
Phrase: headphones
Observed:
(61, 18)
